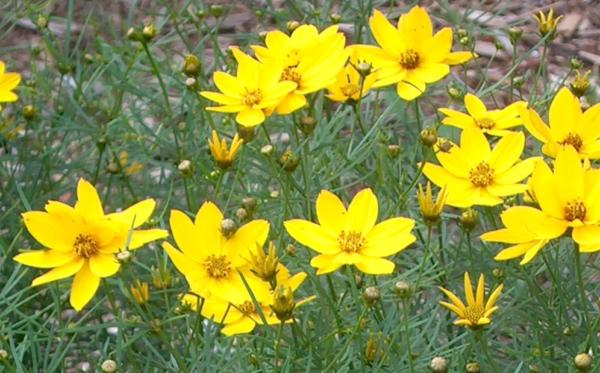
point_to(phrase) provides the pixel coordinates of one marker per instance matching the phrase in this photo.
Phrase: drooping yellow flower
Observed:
(252, 93)
(477, 175)
(547, 23)
(409, 55)
(568, 126)
(569, 197)
(351, 236)
(213, 261)
(223, 155)
(430, 209)
(8, 82)
(477, 312)
(309, 58)
(83, 241)
(350, 84)
(495, 122)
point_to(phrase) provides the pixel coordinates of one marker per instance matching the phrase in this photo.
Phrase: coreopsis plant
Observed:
(568, 126)
(83, 240)
(309, 58)
(223, 155)
(497, 122)
(568, 198)
(475, 174)
(213, 253)
(477, 312)
(8, 82)
(351, 85)
(409, 55)
(253, 93)
(351, 236)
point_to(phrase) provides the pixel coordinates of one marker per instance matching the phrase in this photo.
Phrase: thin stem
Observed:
(277, 344)
(480, 335)
(584, 299)
(407, 332)
(359, 119)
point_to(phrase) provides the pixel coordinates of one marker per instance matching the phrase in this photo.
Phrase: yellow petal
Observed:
(457, 58)
(208, 223)
(291, 103)
(66, 270)
(416, 28)
(532, 252)
(51, 230)
(543, 183)
(88, 202)
(475, 106)
(439, 47)
(84, 287)
(185, 235)
(141, 237)
(247, 237)
(227, 84)
(135, 215)
(312, 235)
(375, 266)
(457, 119)
(250, 117)
(389, 237)
(330, 211)
(518, 172)
(587, 235)
(223, 100)
(469, 289)
(503, 190)
(441, 177)
(409, 89)
(452, 307)
(564, 110)
(362, 212)
(474, 143)
(534, 124)
(494, 297)
(431, 72)
(184, 264)
(453, 298)
(385, 34)
(569, 173)
(242, 326)
(44, 258)
(480, 290)
(507, 151)
(103, 265)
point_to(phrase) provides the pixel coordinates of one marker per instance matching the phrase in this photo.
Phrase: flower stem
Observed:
(584, 299)
(480, 336)
(407, 332)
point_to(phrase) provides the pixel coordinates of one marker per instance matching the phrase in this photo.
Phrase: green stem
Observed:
(277, 344)
(359, 119)
(480, 335)
(584, 301)
(405, 321)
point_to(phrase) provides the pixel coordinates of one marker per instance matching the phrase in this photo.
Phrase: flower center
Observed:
(349, 89)
(575, 210)
(85, 246)
(291, 74)
(246, 308)
(218, 267)
(351, 242)
(485, 123)
(474, 312)
(573, 139)
(481, 175)
(409, 59)
(252, 97)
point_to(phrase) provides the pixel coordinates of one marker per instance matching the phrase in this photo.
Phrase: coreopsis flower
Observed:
(547, 22)
(309, 58)
(351, 236)
(569, 126)
(252, 93)
(8, 82)
(212, 255)
(83, 241)
(350, 84)
(223, 155)
(477, 175)
(494, 122)
(430, 209)
(477, 312)
(569, 197)
(580, 84)
(409, 55)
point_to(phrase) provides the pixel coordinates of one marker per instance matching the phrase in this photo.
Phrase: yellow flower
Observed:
(8, 82)
(476, 175)
(213, 262)
(568, 198)
(493, 122)
(83, 241)
(222, 155)
(309, 58)
(264, 265)
(477, 312)
(140, 292)
(547, 23)
(350, 236)
(350, 86)
(430, 209)
(409, 54)
(252, 93)
(568, 126)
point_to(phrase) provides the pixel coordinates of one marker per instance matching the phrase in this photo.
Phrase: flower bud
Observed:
(473, 368)
(29, 112)
(429, 136)
(191, 83)
(358, 280)
(583, 362)
(289, 161)
(109, 366)
(228, 227)
(185, 167)
(246, 133)
(216, 10)
(514, 34)
(3, 355)
(249, 204)
(464, 41)
(88, 58)
(335, 18)
(439, 365)
(124, 256)
(191, 65)
(444, 145)
(140, 292)
(42, 22)
(283, 303)
(402, 289)
(576, 63)
(393, 150)
(518, 81)
(371, 295)
(267, 150)
(364, 68)
(307, 124)
(134, 34)
(454, 92)
(292, 25)
(241, 214)
(468, 219)
(149, 32)
(291, 250)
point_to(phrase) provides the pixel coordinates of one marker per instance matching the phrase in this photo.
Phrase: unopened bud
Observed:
(42, 22)
(216, 10)
(191, 65)
(124, 256)
(267, 150)
(576, 63)
(518, 81)
(462, 33)
(371, 295)
(402, 289)
(283, 303)
(291, 250)
(228, 227)
(3, 355)
(88, 58)
(149, 31)
(289, 161)
(515, 33)
(454, 93)
(246, 133)
(464, 40)
(468, 219)
(473, 368)
(307, 124)
(445, 146)
(29, 112)
(364, 68)
(134, 34)
(292, 25)
(393, 150)
(429, 136)
(439, 365)
(185, 167)
(358, 280)
(109, 366)
(335, 18)
(583, 362)
(191, 83)
(241, 214)
(249, 204)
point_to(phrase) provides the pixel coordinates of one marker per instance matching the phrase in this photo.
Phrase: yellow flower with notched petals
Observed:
(409, 55)
(477, 175)
(493, 122)
(8, 82)
(569, 197)
(223, 155)
(309, 58)
(83, 241)
(252, 93)
(350, 236)
(350, 86)
(430, 209)
(569, 126)
(477, 312)
(213, 263)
